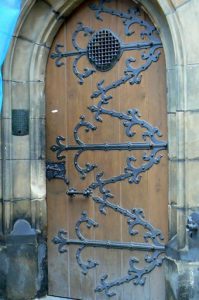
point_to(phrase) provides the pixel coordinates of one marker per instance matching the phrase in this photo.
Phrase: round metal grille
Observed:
(103, 50)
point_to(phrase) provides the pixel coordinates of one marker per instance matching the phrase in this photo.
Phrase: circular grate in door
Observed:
(104, 50)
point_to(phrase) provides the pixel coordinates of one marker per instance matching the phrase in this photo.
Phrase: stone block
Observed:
(171, 280)
(7, 185)
(181, 280)
(39, 214)
(173, 182)
(6, 74)
(180, 183)
(23, 2)
(7, 138)
(57, 4)
(192, 87)
(22, 210)
(172, 136)
(20, 95)
(166, 6)
(21, 179)
(38, 179)
(42, 277)
(172, 212)
(38, 16)
(192, 138)
(189, 22)
(37, 138)
(175, 81)
(37, 99)
(172, 94)
(22, 57)
(3, 271)
(38, 61)
(27, 55)
(192, 186)
(47, 16)
(20, 147)
(176, 135)
(177, 233)
(181, 227)
(65, 8)
(177, 3)
(180, 134)
(46, 20)
(7, 103)
(178, 53)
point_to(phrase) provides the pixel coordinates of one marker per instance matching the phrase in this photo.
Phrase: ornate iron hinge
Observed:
(154, 249)
(135, 217)
(131, 119)
(105, 48)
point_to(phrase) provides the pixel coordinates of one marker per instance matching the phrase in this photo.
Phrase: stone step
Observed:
(52, 298)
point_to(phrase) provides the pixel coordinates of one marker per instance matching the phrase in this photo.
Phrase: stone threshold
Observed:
(53, 298)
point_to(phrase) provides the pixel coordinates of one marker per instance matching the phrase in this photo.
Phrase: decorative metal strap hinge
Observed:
(105, 48)
(154, 248)
(151, 143)
(132, 118)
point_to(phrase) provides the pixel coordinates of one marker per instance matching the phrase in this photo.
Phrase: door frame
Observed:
(24, 88)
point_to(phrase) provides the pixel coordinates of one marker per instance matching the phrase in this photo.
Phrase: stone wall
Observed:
(22, 158)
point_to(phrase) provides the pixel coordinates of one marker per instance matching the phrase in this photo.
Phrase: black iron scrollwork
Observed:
(130, 120)
(130, 18)
(105, 48)
(58, 55)
(151, 244)
(151, 142)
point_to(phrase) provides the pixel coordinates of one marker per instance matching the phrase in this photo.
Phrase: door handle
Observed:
(72, 192)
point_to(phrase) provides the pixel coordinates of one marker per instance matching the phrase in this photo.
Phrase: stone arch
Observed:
(23, 169)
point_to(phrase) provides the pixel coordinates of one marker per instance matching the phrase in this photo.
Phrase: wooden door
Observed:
(104, 160)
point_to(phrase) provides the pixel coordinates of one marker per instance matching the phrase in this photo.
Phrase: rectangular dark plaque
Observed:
(20, 122)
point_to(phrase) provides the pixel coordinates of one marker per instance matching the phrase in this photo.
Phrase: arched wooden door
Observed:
(104, 160)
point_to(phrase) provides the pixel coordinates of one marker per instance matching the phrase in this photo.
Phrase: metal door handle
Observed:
(72, 192)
